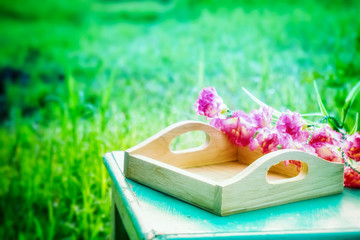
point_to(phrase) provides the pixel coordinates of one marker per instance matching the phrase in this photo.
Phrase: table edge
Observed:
(146, 232)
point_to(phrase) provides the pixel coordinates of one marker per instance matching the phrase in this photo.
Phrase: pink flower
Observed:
(329, 152)
(302, 136)
(262, 117)
(324, 135)
(225, 125)
(209, 103)
(302, 146)
(290, 122)
(351, 178)
(268, 139)
(238, 129)
(298, 145)
(352, 146)
(336, 136)
(294, 162)
(322, 140)
(243, 115)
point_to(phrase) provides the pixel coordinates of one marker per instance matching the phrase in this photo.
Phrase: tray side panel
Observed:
(217, 149)
(252, 191)
(176, 182)
(246, 156)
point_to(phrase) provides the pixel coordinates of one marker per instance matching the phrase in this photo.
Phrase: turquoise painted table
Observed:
(139, 212)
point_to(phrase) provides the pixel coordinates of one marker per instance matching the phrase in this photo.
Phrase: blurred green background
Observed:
(81, 78)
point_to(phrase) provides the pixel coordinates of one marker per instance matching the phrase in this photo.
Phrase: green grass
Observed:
(90, 78)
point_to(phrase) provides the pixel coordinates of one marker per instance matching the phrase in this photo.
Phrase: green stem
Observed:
(348, 163)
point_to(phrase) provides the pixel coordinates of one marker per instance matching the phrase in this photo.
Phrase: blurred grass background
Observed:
(83, 77)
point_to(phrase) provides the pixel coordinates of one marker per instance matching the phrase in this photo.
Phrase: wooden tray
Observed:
(223, 178)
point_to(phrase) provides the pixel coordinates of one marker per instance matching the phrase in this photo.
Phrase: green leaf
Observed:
(331, 121)
(349, 101)
(71, 92)
(354, 130)
(321, 105)
(276, 113)
(255, 99)
(7, 174)
(312, 115)
(107, 93)
(39, 230)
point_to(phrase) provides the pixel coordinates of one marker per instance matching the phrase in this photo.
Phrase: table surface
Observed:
(155, 215)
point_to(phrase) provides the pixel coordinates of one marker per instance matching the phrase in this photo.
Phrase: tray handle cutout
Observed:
(283, 173)
(314, 169)
(190, 142)
(216, 149)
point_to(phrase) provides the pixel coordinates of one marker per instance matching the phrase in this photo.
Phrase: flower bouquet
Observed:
(270, 130)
